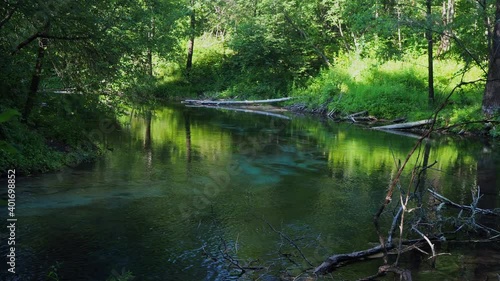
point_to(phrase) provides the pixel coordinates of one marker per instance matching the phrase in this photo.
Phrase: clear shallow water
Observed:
(185, 190)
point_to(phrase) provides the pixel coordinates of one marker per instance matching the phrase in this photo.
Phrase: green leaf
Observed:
(7, 147)
(8, 114)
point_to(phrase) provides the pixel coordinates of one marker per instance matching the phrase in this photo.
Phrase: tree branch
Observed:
(289, 241)
(7, 17)
(67, 38)
(463, 207)
(25, 43)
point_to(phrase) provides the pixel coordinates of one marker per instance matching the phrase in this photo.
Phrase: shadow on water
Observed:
(184, 188)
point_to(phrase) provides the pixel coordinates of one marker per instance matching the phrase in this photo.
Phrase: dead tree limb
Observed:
(336, 260)
(226, 102)
(289, 241)
(463, 207)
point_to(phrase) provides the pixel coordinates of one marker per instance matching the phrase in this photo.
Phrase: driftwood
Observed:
(227, 102)
(260, 112)
(404, 126)
(334, 261)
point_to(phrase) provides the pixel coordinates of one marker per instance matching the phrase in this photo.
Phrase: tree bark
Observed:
(491, 97)
(192, 25)
(448, 14)
(429, 51)
(35, 79)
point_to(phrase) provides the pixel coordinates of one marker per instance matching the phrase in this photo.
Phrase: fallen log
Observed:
(260, 112)
(404, 126)
(228, 102)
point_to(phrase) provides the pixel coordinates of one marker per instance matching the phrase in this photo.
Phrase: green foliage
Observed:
(52, 275)
(123, 276)
(63, 133)
(390, 89)
(131, 51)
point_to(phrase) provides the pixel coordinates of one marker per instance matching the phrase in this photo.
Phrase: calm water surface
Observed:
(185, 191)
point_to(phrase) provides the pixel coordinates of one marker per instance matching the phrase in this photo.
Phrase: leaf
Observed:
(7, 147)
(8, 114)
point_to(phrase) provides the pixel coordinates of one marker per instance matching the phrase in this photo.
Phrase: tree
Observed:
(192, 34)
(430, 59)
(448, 13)
(491, 98)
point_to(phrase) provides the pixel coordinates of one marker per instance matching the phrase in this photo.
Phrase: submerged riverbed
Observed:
(184, 193)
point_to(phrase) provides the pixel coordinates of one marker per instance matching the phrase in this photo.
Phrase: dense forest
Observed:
(68, 65)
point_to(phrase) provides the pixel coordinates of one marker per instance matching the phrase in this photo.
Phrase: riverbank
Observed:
(386, 90)
(398, 90)
(54, 138)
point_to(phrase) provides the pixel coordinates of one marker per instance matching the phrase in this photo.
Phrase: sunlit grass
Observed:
(393, 89)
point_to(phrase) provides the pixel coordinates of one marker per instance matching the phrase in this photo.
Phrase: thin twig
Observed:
(289, 241)
(464, 207)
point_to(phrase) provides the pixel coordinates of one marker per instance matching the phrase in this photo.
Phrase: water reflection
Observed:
(181, 182)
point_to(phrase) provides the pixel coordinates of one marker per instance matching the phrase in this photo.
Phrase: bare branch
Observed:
(289, 241)
(464, 207)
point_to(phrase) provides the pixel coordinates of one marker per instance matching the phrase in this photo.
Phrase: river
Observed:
(184, 193)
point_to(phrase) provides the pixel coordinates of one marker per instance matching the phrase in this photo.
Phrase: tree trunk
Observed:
(400, 44)
(429, 51)
(448, 14)
(35, 79)
(151, 35)
(491, 98)
(192, 24)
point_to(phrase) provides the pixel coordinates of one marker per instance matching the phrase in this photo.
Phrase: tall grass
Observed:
(391, 89)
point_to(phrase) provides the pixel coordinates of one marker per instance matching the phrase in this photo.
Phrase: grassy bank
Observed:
(398, 89)
(386, 89)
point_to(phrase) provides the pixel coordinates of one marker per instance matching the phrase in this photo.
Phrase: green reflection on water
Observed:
(180, 183)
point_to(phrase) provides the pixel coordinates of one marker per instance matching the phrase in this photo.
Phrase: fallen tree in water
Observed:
(233, 102)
